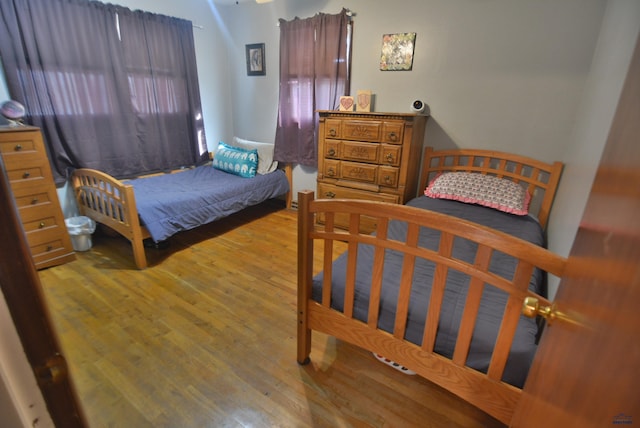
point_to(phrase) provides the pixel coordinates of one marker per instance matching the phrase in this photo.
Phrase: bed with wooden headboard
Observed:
(438, 288)
(158, 206)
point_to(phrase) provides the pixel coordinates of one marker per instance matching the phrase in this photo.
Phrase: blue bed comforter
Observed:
(493, 300)
(171, 203)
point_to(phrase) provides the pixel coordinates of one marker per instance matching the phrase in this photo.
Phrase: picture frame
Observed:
(255, 59)
(397, 51)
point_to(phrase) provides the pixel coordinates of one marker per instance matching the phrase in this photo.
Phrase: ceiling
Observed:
(231, 2)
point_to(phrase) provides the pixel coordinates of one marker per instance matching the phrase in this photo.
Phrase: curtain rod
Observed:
(349, 14)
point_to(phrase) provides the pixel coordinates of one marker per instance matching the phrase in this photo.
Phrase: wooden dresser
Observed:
(34, 191)
(373, 156)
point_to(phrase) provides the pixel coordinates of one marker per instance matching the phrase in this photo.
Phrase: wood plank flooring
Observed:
(205, 337)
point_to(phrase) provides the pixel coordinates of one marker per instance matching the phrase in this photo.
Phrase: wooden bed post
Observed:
(305, 274)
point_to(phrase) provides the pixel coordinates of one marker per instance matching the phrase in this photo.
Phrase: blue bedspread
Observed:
(493, 300)
(171, 203)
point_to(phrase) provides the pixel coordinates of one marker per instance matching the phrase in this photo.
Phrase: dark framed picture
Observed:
(255, 60)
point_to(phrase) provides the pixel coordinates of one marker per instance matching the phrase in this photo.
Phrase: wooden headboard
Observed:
(541, 179)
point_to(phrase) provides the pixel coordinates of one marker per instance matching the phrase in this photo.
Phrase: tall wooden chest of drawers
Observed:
(373, 156)
(27, 165)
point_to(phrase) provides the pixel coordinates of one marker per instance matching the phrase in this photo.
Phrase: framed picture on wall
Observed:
(397, 52)
(255, 60)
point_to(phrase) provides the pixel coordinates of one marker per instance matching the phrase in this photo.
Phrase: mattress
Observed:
(493, 300)
(172, 203)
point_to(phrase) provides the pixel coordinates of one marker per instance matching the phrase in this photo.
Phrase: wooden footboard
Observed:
(112, 203)
(486, 391)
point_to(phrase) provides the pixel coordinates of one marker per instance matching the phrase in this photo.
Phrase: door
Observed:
(21, 287)
(586, 372)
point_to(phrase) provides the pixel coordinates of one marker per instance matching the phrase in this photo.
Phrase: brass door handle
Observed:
(531, 308)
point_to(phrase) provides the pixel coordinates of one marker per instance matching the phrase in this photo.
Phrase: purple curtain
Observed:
(111, 89)
(314, 73)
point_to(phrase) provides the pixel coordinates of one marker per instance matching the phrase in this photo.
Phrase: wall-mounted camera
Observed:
(418, 106)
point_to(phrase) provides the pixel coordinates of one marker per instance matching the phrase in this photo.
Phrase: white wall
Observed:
(499, 74)
(582, 152)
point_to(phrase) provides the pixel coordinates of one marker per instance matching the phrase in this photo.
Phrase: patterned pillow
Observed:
(236, 160)
(486, 190)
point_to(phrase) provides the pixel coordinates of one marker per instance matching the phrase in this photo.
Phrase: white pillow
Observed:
(266, 164)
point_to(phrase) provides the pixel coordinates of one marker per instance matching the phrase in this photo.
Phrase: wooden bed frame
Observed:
(112, 203)
(486, 391)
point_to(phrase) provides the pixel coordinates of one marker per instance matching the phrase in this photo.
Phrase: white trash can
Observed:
(80, 229)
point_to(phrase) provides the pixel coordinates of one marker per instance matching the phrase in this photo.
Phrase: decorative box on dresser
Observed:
(29, 173)
(373, 156)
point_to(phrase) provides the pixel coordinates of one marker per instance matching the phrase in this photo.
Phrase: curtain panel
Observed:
(314, 73)
(110, 88)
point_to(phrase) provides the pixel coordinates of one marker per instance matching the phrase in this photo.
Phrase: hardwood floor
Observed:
(205, 337)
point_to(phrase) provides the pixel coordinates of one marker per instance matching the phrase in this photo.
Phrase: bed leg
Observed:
(304, 342)
(305, 269)
(138, 254)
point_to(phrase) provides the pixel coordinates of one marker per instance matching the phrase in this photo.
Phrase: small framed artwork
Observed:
(346, 103)
(364, 100)
(255, 59)
(397, 51)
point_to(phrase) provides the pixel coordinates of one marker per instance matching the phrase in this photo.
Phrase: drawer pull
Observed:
(393, 136)
(387, 179)
(26, 174)
(18, 147)
(332, 152)
(34, 201)
(389, 157)
(332, 132)
(41, 225)
(330, 195)
(331, 172)
(49, 247)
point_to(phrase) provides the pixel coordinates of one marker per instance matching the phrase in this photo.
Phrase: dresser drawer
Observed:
(49, 251)
(331, 168)
(38, 212)
(25, 196)
(332, 128)
(16, 144)
(330, 191)
(359, 151)
(361, 130)
(388, 176)
(332, 149)
(392, 132)
(390, 155)
(30, 173)
(367, 224)
(359, 172)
